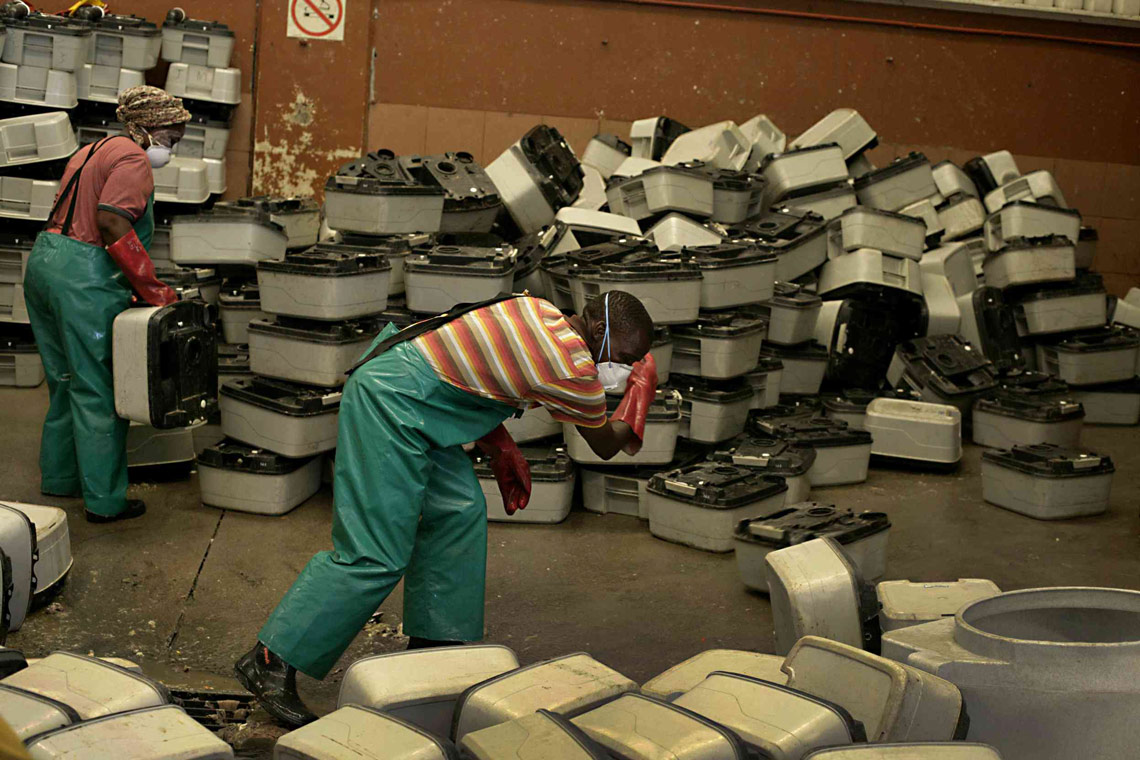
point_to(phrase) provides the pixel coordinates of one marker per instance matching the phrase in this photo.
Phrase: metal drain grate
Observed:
(215, 709)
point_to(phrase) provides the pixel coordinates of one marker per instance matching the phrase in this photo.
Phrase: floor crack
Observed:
(194, 585)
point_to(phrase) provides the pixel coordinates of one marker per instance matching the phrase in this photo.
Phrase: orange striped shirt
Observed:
(522, 352)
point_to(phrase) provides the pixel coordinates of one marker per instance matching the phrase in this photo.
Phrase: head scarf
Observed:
(145, 107)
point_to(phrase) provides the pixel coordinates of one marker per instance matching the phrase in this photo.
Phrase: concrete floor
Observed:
(185, 589)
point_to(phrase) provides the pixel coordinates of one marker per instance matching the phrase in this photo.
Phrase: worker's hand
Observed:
(132, 258)
(510, 468)
(640, 391)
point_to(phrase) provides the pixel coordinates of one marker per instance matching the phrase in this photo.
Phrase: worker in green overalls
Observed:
(91, 254)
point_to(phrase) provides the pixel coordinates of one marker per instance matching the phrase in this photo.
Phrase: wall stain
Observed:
(293, 166)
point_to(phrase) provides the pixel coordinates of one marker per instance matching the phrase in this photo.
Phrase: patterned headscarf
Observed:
(145, 107)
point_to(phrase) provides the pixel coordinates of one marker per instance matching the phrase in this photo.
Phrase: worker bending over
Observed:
(81, 271)
(407, 503)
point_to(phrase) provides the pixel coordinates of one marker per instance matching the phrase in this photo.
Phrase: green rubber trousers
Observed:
(407, 505)
(74, 291)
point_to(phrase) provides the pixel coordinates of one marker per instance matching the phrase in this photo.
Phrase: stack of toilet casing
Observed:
(34, 150)
(1037, 266)
(122, 50)
(477, 702)
(436, 223)
(442, 206)
(41, 62)
(280, 362)
(199, 53)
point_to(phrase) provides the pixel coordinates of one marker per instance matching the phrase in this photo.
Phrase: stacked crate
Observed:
(34, 149)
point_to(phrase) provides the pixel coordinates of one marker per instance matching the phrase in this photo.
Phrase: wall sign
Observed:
(316, 19)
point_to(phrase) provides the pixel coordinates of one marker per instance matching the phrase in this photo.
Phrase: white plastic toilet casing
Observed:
(722, 145)
(676, 231)
(614, 492)
(550, 502)
(685, 675)
(895, 702)
(669, 302)
(862, 227)
(91, 687)
(781, 723)
(104, 84)
(29, 199)
(1030, 265)
(380, 213)
(436, 292)
(162, 733)
(708, 528)
(814, 592)
(843, 126)
(960, 217)
(766, 139)
(998, 431)
(421, 686)
(915, 430)
(521, 195)
(1030, 220)
(658, 445)
(280, 433)
(48, 88)
(1045, 498)
(214, 85)
(905, 603)
(634, 721)
(183, 180)
(39, 48)
(565, 685)
(198, 47)
(326, 298)
(288, 358)
(534, 424)
(354, 731)
(950, 179)
(869, 266)
(257, 493)
(36, 137)
(1035, 186)
(53, 544)
(1106, 408)
(869, 554)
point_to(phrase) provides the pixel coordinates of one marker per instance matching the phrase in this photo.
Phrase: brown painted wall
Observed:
(475, 74)
(590, 58)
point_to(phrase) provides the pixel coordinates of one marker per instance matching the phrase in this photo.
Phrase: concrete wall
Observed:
(420, 76)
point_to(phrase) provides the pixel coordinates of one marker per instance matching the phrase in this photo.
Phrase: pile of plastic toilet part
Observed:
(814, 313)
(946, 686)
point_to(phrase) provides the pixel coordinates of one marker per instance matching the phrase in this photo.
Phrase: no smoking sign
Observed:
(316, 19)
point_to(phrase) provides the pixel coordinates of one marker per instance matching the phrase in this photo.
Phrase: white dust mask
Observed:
(611, 374)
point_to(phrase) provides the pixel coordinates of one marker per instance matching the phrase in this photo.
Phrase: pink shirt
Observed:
(118, 179)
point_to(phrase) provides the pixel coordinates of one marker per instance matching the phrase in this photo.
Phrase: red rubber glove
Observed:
(132, 258)
(640, 391)
(510, 467)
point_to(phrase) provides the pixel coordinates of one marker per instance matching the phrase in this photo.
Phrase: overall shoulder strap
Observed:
(72, 187)
(412, 332)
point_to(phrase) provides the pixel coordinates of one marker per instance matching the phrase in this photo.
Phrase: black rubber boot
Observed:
(135, 508)
(274, 682)
(415, 642)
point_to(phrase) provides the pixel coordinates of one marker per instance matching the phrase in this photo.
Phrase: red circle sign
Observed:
(328, 26)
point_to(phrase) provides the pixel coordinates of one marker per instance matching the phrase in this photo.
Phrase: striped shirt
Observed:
(521, 352)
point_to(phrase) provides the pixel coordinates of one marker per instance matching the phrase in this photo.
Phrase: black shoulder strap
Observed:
(73, 188)
(419, 328)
